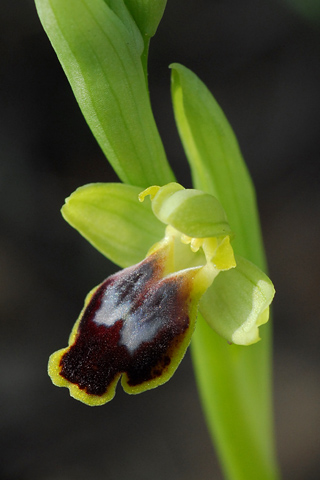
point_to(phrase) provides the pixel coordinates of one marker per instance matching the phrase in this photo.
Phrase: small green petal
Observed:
(100, 51)
(238, 302)
(112, 219)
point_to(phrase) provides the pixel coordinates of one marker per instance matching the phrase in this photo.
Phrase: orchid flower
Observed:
(138, 323)
(192, 259)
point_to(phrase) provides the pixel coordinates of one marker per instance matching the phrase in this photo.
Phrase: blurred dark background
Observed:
(260, 58)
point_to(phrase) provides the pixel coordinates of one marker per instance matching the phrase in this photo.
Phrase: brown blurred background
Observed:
(260, 58)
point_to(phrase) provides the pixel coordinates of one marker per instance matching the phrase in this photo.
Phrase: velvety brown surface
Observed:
(140, 339)
(261, 60)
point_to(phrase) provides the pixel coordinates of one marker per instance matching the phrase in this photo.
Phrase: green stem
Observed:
(235, 388)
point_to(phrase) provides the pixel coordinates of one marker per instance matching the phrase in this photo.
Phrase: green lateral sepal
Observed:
(111, 218)
(237, 303)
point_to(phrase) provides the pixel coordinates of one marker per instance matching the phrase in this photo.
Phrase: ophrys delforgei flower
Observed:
(138, 323)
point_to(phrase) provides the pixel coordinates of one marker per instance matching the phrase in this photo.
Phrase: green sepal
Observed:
(196, 214)
(215, 158)
(112, 219)
(147, 14)
(192, 212)
(100, 51)
(238, 302)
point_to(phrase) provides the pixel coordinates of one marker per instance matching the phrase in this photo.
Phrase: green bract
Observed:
(103, 46)
(215, 159)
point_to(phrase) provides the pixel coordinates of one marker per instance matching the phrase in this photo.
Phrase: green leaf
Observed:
(234, 381)
(100, 51)
(147, 14)
(237, 303)
(112, 219)
(216, 162)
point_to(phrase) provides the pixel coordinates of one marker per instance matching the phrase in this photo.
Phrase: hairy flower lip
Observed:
(136, 325)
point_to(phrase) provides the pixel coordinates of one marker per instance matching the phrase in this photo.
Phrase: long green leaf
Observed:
(100, 51)
(234, 381)
(112, 219)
